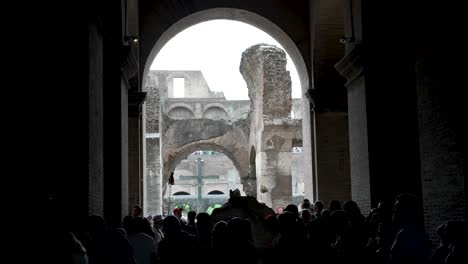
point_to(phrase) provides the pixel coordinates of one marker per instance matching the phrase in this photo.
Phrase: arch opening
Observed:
(202, 178)
(237, 15)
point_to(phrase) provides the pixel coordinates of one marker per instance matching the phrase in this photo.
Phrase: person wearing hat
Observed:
(157, 228)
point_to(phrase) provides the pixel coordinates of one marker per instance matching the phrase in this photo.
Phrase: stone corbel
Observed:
(135, 101)
(351, 65)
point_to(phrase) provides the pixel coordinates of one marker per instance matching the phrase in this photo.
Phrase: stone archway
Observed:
(270, 28)
(177, 155)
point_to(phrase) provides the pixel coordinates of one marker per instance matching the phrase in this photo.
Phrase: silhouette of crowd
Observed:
(393, 232)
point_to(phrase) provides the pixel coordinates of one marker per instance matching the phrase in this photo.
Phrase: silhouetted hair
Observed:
(334, 205)
(292, 208)
(171, 225)
(191, 216)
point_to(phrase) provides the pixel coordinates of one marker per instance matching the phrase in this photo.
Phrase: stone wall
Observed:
(442, 168)
(152, 203)
(333, 157)
(95, 125)
(195, 84)
(272, 130)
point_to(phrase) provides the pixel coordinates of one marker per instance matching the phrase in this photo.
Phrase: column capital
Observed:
(351, 65)
(135, 100)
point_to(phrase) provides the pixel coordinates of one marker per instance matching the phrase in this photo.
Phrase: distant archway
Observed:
(215, 192)
(181, 193)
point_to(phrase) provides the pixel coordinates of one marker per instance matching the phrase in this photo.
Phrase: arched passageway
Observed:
(263, 24)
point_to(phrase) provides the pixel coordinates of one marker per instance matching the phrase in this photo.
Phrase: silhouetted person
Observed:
(119, 249)
(157, 228)
(306, 205)
(204, 230)
(334, 205)
(144, 247)
(318, 207)
(290, 241)
(94, 239)
(442, 251)
(191, 227)
(239, 237)
(411, 244)
(352, 239)
(137, 211)
(457, 236)
(177, 246)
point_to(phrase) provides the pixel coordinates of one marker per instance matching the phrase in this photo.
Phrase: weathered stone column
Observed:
(264, 70)
(135, 152)
(152, 182)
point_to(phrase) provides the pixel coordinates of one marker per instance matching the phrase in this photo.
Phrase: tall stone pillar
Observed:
(264, 70)
(135, 151)
(382, 102)
(152, 182)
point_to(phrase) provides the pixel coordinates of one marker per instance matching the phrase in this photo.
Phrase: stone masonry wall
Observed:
(95, 126)
(152, 201)
(264, 70)
(442, 173)
(333, 157)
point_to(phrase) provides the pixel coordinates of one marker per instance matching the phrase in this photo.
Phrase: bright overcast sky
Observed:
(215, 47)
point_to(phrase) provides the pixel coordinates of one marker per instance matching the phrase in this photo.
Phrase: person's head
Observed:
(306, 204)
(334, 205)
(171, 225)
(137, 211)
(191, 217)
(218, 234)
(271, 223)
(157, 221)
(292, 208)
(279, 210)
(318, 207)
(178, 213)
(203, 221)
(351, 208)
(306, 216)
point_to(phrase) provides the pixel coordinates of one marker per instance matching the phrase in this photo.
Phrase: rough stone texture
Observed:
(152, 105)
(182, 137)
(195, 84)
(297, 173)
(135, 183)
(333, 168)
(263, 67)
(308, 150)
(153, 197)
(359, 153)
(272, 130)
(124, 122)
(207, 118)
(443, 180)
(95, 126)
